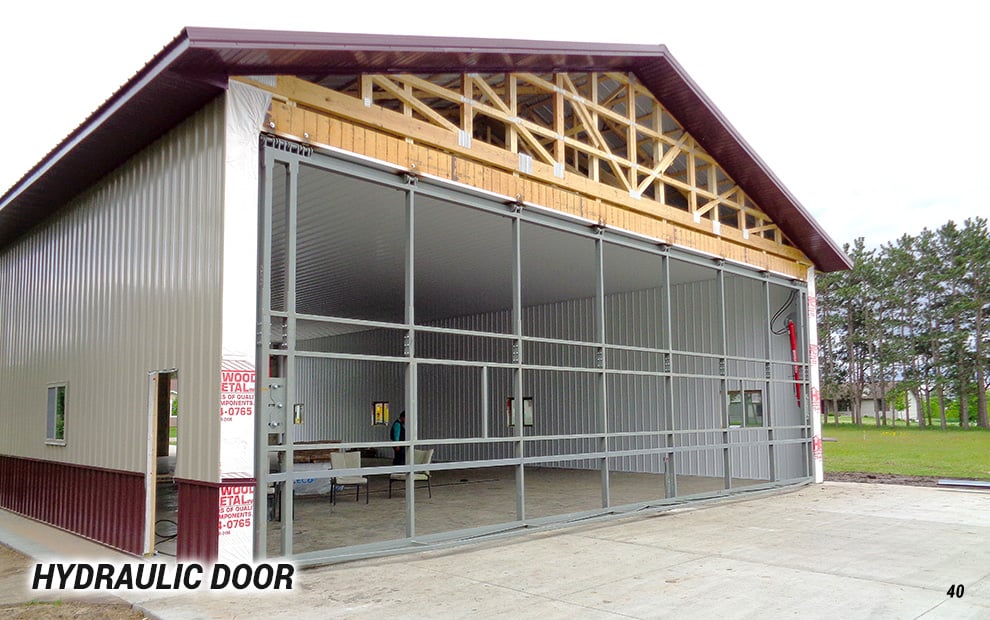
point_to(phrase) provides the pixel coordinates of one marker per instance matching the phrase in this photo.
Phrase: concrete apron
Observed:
(467, 498)
(835, 550)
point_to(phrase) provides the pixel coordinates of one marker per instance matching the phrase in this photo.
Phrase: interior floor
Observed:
(464, 499)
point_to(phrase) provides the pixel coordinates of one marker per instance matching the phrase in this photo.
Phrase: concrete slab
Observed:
(834, 550)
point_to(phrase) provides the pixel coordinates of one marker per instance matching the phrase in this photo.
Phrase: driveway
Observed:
(839, 549)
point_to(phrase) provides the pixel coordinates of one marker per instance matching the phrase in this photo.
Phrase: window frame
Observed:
(746, 401)
(52, 435)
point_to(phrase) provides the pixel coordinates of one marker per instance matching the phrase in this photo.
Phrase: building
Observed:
(308, 233)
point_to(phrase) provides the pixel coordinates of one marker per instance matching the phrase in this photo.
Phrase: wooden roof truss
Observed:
(605, 127)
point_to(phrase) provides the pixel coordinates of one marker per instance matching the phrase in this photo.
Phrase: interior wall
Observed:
(338, 393)
(338, 396)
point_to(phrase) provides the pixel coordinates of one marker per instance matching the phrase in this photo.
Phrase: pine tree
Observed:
(911, 318)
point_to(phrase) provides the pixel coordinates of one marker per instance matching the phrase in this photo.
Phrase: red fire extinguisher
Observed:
(794, 358)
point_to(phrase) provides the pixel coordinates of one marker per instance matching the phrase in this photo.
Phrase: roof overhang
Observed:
(194, 68)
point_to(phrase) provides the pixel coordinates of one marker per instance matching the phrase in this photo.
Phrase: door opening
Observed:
(163, 495)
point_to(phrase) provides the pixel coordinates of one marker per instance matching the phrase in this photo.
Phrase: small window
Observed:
(56, 414)
(745, 408)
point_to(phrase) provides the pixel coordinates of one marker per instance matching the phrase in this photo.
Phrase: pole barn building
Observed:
(584, 290)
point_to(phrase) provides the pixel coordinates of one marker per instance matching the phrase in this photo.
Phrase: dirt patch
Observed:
(14, 571)
(70, 609)
(852, 476)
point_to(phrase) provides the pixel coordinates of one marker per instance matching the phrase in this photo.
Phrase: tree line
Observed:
(910, 318)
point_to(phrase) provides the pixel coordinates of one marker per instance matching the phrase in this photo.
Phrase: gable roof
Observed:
(194, 67)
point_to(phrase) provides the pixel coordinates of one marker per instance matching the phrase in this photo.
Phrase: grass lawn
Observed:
(908, 451)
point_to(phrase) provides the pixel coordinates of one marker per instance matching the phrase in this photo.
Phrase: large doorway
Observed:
(549, 370)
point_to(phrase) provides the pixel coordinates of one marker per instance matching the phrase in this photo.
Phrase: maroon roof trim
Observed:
(194, 67)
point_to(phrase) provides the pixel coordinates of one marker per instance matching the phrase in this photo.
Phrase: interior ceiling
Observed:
(351, 256)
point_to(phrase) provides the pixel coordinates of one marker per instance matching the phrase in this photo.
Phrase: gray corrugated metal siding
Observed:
(123, 281)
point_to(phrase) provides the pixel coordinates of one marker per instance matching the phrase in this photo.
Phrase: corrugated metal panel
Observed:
(694, 316)
(636, 403)
(123, 281)
(745, 323)
(635, 318)
(749, 460)
(696, 407)
(103, 505)
(792, 459)
(197, 527)
(338, 397)
(495, 322)
(328, 217)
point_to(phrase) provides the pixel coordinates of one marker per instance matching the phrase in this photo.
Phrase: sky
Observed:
(873, 113)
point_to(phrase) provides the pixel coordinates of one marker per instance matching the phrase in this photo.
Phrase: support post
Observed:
(814, 395)
(768, 409)
(602, 376)
(290, 358)
(670, 465)
(261, 364)
(517, 372)
(412, 369)
(723, 382)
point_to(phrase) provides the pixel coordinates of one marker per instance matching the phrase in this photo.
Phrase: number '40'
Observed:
(956, 590)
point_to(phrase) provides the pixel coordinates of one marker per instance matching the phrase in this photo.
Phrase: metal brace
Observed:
(276, 405)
